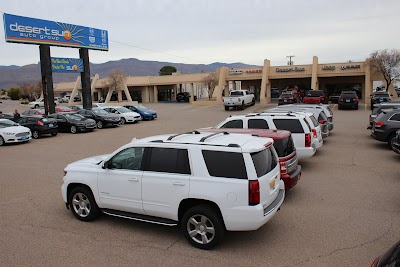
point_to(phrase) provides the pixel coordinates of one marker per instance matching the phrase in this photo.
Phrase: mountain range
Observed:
(13, 76)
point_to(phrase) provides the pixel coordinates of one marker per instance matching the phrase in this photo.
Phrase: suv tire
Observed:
(203, 227)
(391, 139)
(83, 205)
(242, 107)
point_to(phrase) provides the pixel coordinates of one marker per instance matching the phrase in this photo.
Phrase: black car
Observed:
(378, 110)
(102, 117)
(380, 97)
(348, 99)
(390, 259)
(385, 126)
(8, 116)
(39, 125)
(396, 143)
(73, 122)
(183, 96)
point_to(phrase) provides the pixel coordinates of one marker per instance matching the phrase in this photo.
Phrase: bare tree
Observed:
(210, 82)
(387, 63)
(114, 80)
(30, 90)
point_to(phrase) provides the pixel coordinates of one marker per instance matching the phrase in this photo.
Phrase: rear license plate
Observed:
(284, 100)
(272, 184)
(50, 125)
(23, 137)
(347, 100)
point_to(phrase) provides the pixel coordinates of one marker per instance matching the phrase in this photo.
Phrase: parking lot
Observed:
(344, 211)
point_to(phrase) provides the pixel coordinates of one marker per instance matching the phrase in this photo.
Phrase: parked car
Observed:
(76, 107)
(39, 125)
(325, 108)
(8, 116)
(58, 99)
(5, 97)
(77, 98)
(334, 98)
(390, 259)
(297, 124)
(396, 142)
(126, 114)
(380, 97)
(294, 90)
(73, 123)
(63, 109)
(33, 112)
(39, 103)
(100, 105)
(284, 146)
(12, 132)
(66, 98)
(205, 183)
(102, 117)
(385, 126)
(397, 91)
(319, 117)
(348, 99)
(315, 97)
(239, 99)
(378, 110)
(289, 97)
(145, 113)
(183, 96)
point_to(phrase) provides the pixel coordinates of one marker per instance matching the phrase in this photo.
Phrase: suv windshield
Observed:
(348, 95)
(315, 93)
(284, 147)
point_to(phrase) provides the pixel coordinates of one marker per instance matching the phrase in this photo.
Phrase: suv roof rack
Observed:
(211, 135)
(173, 136)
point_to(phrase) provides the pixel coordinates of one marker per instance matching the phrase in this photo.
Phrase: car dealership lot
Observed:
(344, 211)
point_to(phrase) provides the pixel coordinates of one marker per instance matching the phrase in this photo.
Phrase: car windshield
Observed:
(140, 107)
(7, 123)
(99, 111)
(315, 93)
(348, 95)
(74, 116)
(123, 110)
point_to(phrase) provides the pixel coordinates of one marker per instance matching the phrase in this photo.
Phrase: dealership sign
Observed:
(66, 64)
(235, 72)
(345, 67)
(290, 69)
(36, 31)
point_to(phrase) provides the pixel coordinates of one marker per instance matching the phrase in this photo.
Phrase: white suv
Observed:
(305, 140)
(205, 183)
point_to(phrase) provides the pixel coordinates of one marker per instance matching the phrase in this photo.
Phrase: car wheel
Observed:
(99, 124)
(36, 106)
(83, 205)
(73, 129)
(1, 141)
(253, 102)
(391, 140)
(123, 121)
(36, 134)
(54, 133)
(226, 108)
(141, 117)
(203, 227)
(242, 107)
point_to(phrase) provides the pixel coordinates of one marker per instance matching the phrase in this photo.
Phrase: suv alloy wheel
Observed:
(83, 205)
(203, 227)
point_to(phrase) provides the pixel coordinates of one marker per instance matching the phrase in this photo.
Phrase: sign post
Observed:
(47, 79)
(85, 79)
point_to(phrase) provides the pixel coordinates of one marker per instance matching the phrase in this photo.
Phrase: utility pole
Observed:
(290, 62)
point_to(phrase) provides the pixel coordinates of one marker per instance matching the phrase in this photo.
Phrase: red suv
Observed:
(315, 97)
(284, 146)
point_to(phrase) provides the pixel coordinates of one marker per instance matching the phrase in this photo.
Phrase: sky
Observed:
(207, 31)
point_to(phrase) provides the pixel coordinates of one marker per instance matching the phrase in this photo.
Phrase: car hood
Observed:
(15, 129)
(110, 116)
(84, 120)
(92, 161)
(131, 114)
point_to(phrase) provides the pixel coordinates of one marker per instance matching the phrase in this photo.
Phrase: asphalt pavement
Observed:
(344, 211)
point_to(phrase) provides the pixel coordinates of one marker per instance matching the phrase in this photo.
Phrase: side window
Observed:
(128, 159)
(395, 117)
(217, 162)
(31, 120)
(258, 124)
(314, 121)
(171, 160)
(293, 126)
(233, 124)
(264, 161)
(22, 120)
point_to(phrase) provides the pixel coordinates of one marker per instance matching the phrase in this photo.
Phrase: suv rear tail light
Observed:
(340, 99)
(322, 121)
(355, 99)
(378, 124)
(308, 140)
(283, 167)
(40, 123)
(314, 132)
(254, 193)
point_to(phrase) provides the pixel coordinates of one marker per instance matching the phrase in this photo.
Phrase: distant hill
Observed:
(11, 76)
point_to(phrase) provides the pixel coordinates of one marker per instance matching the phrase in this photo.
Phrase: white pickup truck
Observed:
(239, 98)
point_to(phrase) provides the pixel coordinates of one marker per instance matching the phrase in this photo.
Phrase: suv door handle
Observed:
(179, 183)
(133, 180)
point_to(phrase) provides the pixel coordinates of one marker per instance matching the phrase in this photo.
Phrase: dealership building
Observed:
(265, 82)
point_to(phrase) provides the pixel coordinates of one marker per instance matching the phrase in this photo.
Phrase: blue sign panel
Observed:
(36, 31)
(59, 64)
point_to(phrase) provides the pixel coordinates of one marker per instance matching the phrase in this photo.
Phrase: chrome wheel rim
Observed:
(122, 121)
(81, 205)
(1, 141)
(99, 124)
(73, 129)
(200, 229)
(35, 134)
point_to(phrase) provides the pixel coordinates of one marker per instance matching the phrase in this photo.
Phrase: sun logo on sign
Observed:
(75, 67)
(76, 64)
(70, 32)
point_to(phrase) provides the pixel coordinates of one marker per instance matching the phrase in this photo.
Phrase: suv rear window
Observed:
(264, 161)
(284, 147)
(225, 164)
(257, 124)
(348, 95)
(293, 126)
